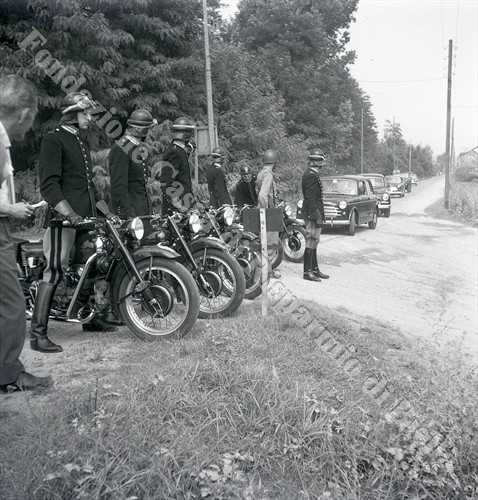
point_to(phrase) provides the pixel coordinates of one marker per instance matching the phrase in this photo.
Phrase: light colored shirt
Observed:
(265, 187)
(7, 190)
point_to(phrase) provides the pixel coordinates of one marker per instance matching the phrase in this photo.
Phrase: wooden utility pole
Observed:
(448, 119)
(452, 149)
(409, 159)
(210, 111)
(361, 146)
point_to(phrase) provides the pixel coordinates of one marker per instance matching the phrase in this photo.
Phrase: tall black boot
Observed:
(315, 267)
(308, 273)
(39, 323)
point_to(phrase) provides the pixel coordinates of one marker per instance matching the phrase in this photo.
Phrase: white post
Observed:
(264, 260)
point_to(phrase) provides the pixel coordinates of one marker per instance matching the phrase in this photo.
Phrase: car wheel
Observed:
(386, 213)
(373, 223)
(352, 224)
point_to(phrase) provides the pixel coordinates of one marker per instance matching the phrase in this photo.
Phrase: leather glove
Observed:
(74, 219)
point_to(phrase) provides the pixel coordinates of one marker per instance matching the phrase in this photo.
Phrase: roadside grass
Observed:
(254, 408)
(463, 204)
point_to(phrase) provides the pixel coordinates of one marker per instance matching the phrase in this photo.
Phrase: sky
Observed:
(402, 65)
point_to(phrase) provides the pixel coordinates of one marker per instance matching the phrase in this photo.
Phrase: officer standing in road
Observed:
(246, 193)
(129, 170)
(266, 197)
(313, 210)
(175, 176)
(66, 184)
(216, 179)
(18, 107)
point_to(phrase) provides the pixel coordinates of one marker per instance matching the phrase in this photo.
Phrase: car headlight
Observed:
(288, 210)
(342, 205)
(385, 196)
(136, 228)
(300, 203)
(195, 223)
(228, 216)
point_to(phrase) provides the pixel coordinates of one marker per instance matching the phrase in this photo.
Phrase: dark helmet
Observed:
(183, 128)
(218, 152)
(246, 169)
(316, 155)
(141, 118)
(269, 157)
(75, 102)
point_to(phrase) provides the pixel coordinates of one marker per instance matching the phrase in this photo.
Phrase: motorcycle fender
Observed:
(141, 253)
(202, 243)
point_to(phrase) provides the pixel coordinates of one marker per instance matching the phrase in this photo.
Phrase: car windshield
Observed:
(393, 180)
(339, 186)
(377, 182)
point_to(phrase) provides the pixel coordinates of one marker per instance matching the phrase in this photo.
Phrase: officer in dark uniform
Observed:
(216, 180)
(129, 170)
(66, 184)
(175, 176)
(246, 193)
(313, 210)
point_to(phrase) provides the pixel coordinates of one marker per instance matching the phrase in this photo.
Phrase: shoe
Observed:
(44, 344)
(275, 274)
(27, 381)
(310, 276)
(97, 325)
(321, 275)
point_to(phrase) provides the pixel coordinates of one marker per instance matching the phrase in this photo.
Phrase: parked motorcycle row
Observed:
(158, 274)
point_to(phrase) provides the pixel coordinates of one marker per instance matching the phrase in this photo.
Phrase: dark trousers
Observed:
(12, 310)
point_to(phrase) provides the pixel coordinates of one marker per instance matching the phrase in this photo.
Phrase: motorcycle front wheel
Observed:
(221, 283)
(294, 244)
(175, 305)
(250, 262)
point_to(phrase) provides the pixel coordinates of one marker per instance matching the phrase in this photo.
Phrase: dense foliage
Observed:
(280, 74)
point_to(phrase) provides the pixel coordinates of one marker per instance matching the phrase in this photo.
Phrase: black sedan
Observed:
(381, 192)
(348, 201)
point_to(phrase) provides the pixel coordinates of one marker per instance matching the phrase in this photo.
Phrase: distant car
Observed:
(407, 181)
(414, 178)
(348, 201)
(381, 192)
(395, 185)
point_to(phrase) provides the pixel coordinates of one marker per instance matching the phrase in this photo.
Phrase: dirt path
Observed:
(414, 271)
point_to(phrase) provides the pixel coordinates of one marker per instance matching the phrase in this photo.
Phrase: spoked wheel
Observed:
(219, 301)
(250, 262)
(169, 307)
(294, 244)
(276, 256)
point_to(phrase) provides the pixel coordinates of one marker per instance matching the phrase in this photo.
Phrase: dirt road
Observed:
(414, 271)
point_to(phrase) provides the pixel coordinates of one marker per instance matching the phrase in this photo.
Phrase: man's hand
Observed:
(74, 219)
(21, 210)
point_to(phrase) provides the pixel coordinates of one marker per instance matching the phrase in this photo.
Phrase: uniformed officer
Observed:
(266, 197)
(175, 176)
(129, 170)
(313, 210)
(66, 184)
(246, 193)
(216, 180)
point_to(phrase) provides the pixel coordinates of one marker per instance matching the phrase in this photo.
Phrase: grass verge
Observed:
(462, 206)
(255, 409)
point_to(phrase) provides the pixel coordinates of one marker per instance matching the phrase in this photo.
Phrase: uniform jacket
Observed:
(175, 176)
(216, 183)
(129, 176)
(266, 188)
(246, 193)
(312, 191)
(65, 171)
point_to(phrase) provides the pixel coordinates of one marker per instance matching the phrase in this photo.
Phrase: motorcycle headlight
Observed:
(136, 228)
(385, 196)
(228, 216)
(288, 210)
(195, 223)
(342, 205)
(300, 203)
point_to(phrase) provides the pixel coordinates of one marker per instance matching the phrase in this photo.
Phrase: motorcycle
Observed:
(293, 235)
(218, 276)
(244, 245)
(111, 273)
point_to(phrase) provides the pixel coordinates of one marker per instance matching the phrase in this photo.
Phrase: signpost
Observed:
(267, 222)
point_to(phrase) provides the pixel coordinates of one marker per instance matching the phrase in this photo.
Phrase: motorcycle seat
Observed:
(32, 248)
